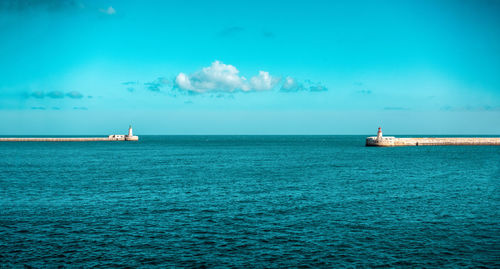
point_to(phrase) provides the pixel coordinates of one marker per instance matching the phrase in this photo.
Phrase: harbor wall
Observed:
(56, 139)
(113, 137)
(432, 141)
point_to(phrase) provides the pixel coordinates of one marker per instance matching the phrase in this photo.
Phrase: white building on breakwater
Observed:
(129, 137)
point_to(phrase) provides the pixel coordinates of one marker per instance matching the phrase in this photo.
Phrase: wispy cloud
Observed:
(157, 84)
(268, 34)
(80, 108)
(109, 11)
(38, 108)
(37, 94)
(130, 85)
(231, 31)
(471, 108)
(48, 5)
(292, 85)
(364, 92)
(55, 95)
(395, 108)
(127, 83)
(74, 95)
(23, 6)
(220, 77)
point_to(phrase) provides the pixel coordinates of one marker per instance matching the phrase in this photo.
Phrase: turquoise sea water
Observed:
(248, 201)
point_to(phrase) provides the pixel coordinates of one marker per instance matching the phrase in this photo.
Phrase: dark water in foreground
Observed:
(248, 201)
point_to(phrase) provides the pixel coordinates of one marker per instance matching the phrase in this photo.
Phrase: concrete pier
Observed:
(391, 141)
(129, 137)
(54, 139)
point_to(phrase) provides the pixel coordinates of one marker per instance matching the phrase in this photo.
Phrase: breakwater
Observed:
(129, 137)
(55, 139)
(432, 141)
(391, 141)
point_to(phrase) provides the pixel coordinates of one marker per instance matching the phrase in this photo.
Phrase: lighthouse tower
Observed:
(379, 134)
(131, 136)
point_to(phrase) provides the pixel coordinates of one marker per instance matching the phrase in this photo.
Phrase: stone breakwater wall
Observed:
(56, 139)
(432, 141)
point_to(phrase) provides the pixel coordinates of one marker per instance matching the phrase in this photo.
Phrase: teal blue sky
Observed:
(249, 67)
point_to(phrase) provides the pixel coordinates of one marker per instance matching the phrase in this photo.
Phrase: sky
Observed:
(249, 67)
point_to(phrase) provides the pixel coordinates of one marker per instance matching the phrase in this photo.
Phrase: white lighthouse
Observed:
(379, 140)
(379, 134)
(131, 136)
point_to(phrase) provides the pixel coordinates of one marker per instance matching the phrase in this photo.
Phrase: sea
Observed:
(248, 202)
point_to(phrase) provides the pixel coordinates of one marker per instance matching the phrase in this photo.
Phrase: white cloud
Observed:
(220, 77)
(182, 81)
(110, 10)
(263, 82)
(290, 85)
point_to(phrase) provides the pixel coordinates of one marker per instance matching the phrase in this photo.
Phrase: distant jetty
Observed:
(391, 141)
(129, 137)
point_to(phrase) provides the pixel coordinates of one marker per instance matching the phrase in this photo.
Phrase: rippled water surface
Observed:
(248, 201)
